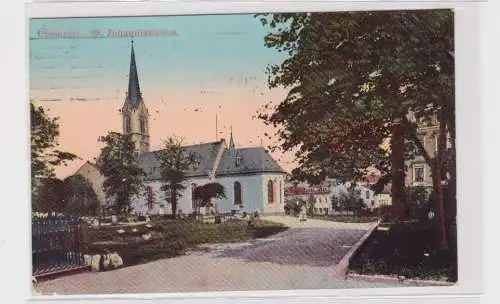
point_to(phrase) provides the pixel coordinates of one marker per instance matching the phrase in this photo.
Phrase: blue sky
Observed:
(207, 49)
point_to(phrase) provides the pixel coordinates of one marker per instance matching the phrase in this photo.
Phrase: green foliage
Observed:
(72, 196)
(44, 153)
(205, 193)
(123, 175)
(418, 195)
(294, 206)
(79, 196)
(352, 79)
(405, 250)
(49, 196)
(174, 162)
(347, 202)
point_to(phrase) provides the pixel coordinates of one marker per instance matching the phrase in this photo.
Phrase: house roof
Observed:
(246, 161)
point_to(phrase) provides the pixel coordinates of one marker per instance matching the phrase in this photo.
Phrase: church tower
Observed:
(135, 115)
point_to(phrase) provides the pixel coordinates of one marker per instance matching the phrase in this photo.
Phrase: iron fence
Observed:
(56, 244)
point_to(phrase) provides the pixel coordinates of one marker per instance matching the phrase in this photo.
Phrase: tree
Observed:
(123, 177)
(44, 153)
(353, 78)
(204, 194)
(79, 196)
(49, 196)
(175, 161)
(310, 205)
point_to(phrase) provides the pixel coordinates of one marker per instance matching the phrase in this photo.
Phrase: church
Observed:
(252, 179)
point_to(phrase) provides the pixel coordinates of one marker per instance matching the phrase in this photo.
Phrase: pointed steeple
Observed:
(134, 95)
(231, 140)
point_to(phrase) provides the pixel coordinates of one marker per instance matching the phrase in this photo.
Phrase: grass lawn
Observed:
(172, 237)
(405, 250)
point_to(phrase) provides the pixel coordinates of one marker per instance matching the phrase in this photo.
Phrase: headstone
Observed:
(95, 223)
(148, 219)
(88, 259)
(115, 260)
(146, 236)
(161, 211)
(95, 263)
(114, 219)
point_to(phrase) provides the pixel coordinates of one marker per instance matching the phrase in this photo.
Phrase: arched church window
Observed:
(128, 127)
(142, 124)
(237, 193)
(270, 192)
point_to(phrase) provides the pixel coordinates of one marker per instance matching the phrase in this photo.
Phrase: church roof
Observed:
(207, 153)
(246, 161)
(134, 95)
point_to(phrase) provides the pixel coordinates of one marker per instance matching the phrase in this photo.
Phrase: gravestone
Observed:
(114, 219)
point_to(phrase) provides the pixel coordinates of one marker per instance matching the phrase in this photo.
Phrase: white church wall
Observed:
(251, 193)
(278, 206)
(253, 187)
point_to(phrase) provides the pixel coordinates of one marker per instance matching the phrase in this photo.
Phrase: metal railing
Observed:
(56, 244)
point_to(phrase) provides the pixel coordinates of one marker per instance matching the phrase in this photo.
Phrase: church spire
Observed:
(231, 140)
(134, 95)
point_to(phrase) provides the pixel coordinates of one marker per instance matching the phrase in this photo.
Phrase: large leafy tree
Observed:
(79, 196)
(175, 161)
(353, 78)
(44, 142)
(49, 196)
(204, 194)
(124, 177)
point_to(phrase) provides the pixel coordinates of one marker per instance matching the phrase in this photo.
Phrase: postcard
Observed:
(241, 152)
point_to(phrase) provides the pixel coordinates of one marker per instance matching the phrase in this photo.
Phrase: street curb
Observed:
(393, 279)
(340, 269)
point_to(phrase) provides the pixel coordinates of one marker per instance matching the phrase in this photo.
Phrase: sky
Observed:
(191, 68)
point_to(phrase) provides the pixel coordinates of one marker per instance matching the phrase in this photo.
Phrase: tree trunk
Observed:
(398, 169)
(438, 187)
(173, 200)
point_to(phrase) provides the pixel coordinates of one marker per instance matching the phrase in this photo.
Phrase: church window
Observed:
(142, 124)
(128, 127)
(270, 192)
(237, 193)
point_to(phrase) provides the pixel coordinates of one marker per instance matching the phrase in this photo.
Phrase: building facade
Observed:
(318, 195)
